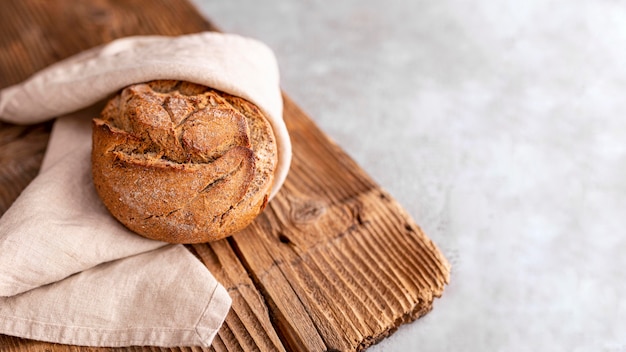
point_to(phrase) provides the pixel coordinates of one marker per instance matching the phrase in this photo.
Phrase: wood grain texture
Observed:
(334, 263)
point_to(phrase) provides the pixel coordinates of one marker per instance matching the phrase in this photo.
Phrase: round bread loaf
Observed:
(182, 163)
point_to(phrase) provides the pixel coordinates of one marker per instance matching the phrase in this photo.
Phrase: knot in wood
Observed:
(307, 211)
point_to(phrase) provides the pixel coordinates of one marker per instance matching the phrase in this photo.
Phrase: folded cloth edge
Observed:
(213, 316)
(198, 333)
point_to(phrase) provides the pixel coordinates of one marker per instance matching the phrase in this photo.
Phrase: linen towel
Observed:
(69, 272)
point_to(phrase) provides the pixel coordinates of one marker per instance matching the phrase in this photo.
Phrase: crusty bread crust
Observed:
(182, 163)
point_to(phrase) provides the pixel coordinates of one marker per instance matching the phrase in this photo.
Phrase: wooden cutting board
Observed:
(333, 264)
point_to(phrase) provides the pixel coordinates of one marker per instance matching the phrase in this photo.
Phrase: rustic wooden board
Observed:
(334, 263)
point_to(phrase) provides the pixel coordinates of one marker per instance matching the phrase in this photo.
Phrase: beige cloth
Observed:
(69, 272)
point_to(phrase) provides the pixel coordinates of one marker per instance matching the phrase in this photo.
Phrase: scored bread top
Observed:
(182, 163)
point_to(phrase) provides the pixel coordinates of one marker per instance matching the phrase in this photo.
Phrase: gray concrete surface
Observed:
(501, 127)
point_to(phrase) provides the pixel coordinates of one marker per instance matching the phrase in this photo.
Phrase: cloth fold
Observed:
(69, 272)
(134, 301)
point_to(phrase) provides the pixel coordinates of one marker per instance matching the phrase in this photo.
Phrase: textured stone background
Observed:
(501, 128)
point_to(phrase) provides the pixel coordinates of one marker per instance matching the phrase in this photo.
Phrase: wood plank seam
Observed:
(270, 304)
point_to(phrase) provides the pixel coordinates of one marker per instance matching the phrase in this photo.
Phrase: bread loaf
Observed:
(182, 163)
